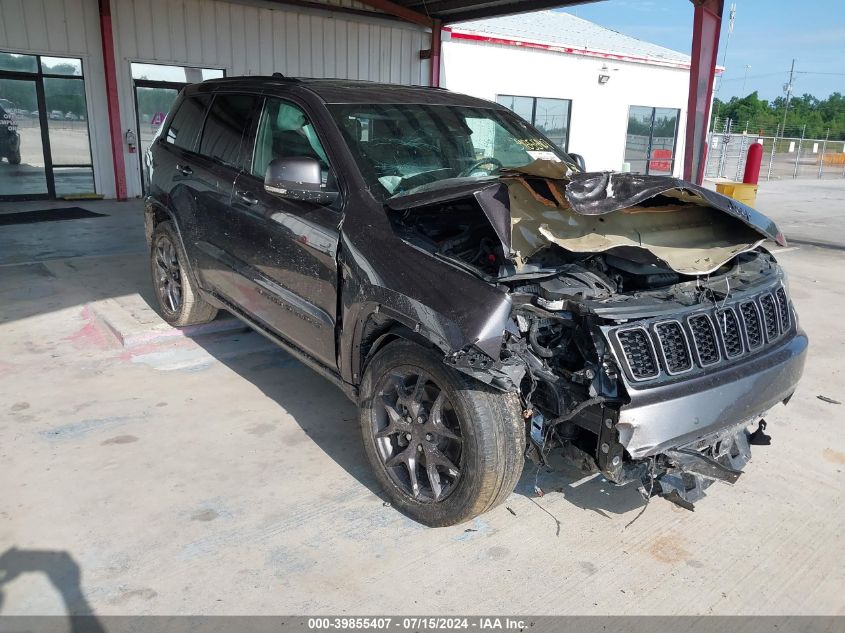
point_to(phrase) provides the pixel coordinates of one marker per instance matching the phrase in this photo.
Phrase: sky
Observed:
(767, 35)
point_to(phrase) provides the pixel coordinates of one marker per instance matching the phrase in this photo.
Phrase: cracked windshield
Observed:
(402, 147)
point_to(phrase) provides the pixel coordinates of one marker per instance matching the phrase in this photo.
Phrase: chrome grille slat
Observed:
(751, 324)
(674, 347)
(704, 340)
(783, 309)
(728, 327)
(770, 317)
(639, 353)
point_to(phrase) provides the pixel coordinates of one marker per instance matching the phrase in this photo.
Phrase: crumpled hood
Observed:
(689, 228)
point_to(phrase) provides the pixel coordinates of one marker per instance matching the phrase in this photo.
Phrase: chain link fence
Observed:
(788, 154)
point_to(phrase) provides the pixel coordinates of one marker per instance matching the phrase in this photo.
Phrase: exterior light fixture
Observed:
(603, 79)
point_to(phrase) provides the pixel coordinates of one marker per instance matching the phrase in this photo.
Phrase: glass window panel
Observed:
(73, 180)
(175, 74)
(22, 169)
(18, 63)
(551, 117)
(637, 139)
(522, 106)
(61, 66)
(227, 121)
(153, 106)
(185, 128)
(284, 132)
(67, 121)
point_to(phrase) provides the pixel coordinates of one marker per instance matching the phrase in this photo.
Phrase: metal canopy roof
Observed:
(450, 11)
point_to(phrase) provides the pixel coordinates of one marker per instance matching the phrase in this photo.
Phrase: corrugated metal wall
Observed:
(66, 28)
(259, 39)
(241, 37)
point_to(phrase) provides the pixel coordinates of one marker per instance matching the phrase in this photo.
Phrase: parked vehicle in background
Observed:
(471, 288)
(10, 139)
(56, 115)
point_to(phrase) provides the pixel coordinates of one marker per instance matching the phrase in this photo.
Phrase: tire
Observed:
(178, 300)
(15, 158)
(478, 429)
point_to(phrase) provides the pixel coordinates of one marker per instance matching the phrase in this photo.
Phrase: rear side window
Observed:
(225, 128)
(185, 128)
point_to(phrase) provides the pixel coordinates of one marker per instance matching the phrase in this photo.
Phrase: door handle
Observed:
(247, 197)
(185, 169)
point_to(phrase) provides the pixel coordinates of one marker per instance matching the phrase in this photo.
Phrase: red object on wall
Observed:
(752, 164)
(113, 103)
(661, 160)
(705, 45)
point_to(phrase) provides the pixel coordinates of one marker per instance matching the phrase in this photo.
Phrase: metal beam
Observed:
(434, 61)
(399, 11)
(707, 23)
(458, 11)
(115, 127)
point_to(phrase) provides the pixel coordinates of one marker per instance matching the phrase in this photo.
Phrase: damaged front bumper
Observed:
(665, 416)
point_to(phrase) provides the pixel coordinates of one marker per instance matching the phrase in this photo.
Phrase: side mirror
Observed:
(297, 179)
(579, 160)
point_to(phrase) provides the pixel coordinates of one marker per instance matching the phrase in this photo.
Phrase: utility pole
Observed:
(731, 18)
(788, 89)
(745, 78)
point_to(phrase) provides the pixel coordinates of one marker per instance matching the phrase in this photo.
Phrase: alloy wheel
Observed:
(417, 434)
(168, 274)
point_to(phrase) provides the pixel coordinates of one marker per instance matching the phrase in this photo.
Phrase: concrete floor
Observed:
(213, 474)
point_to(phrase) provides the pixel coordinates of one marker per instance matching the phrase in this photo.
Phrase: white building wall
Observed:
(599, 113)
(259, 38)
(240, 37)
(68, 28)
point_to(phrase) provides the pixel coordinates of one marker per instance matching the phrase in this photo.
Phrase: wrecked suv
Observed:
(480, 297)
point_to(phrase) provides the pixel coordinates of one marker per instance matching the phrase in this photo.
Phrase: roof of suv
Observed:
(353, 91)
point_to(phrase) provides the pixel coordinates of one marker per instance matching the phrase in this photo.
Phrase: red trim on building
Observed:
(112, 99)
(567, 50)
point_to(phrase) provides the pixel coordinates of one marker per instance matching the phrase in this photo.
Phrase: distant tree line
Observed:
(766, 117)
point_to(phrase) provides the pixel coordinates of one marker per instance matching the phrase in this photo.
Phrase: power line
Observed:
(758, 76)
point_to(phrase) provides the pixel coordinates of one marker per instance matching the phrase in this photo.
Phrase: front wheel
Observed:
(445, 448)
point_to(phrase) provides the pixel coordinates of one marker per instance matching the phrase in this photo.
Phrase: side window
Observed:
(284, 131)
(185, 127)
(225, 127)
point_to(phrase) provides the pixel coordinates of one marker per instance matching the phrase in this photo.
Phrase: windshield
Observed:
(404, 146)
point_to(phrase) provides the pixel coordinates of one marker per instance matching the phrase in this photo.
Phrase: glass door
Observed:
(23, 165)
(156, 88)
(152, 102)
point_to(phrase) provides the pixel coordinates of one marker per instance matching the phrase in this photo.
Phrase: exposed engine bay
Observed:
(641, 336)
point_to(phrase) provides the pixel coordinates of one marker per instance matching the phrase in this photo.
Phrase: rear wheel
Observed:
(178, 299)
(444, 447)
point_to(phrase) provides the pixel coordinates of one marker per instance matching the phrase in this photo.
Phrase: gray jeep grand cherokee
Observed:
(477, 294)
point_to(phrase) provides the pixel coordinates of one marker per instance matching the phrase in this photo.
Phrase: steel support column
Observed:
(112, 99)
(436, 39)
(705, 46)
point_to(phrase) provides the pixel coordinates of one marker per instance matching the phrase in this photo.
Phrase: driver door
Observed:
(289, 247)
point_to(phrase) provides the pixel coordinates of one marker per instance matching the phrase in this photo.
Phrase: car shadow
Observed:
(64, 574)
(330, 419)
(317, 406)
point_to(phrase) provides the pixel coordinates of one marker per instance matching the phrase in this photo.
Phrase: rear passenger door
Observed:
(175, 173)
(222, 153)
(290, 247)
